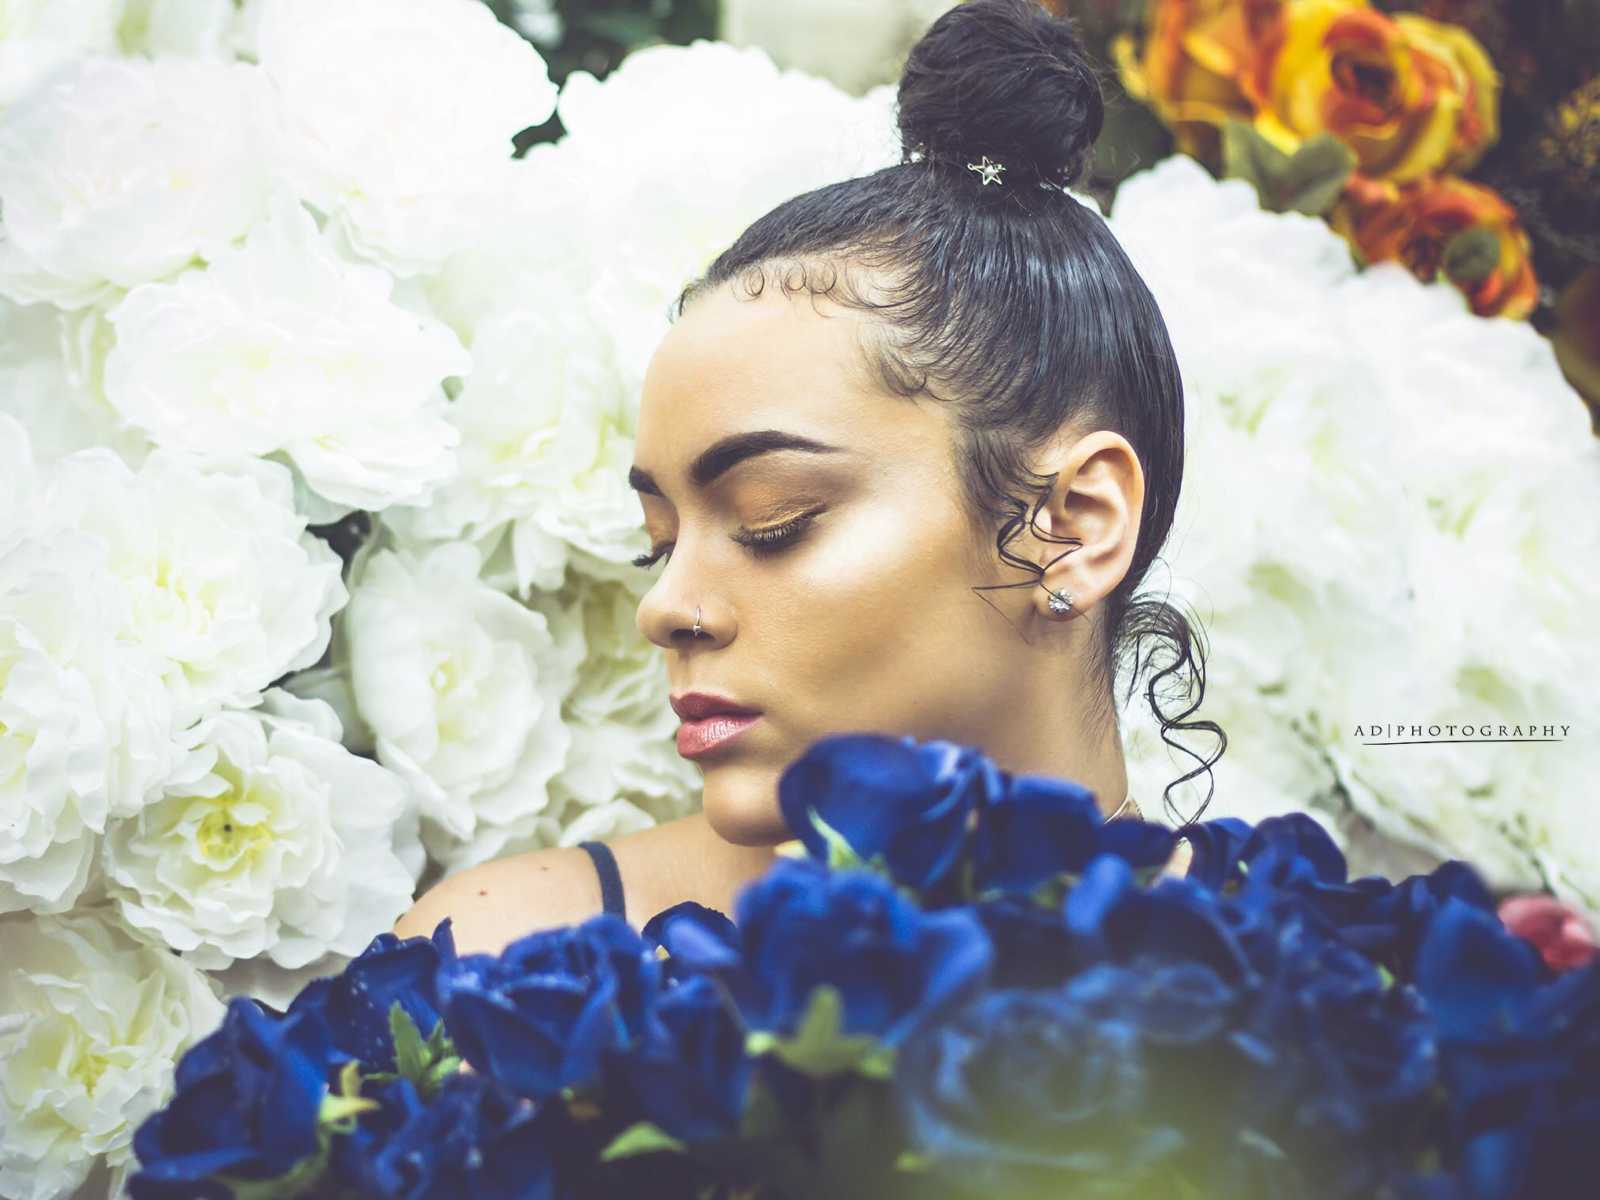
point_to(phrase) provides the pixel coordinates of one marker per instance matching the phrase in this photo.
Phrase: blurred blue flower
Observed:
(356, 1002)
(892, 964)
(1520, 1050)
(541, 1015)
(247, 1103)
(1038, 828)
(907, 802)
(474, 1140)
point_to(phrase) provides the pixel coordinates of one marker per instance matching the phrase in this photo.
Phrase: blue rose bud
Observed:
(906, 803)
(246, 1105)
(541, 1016)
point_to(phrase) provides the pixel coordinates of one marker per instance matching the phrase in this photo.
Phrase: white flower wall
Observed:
(264, 267)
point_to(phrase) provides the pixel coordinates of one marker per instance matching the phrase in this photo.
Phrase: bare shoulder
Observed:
(494, 903)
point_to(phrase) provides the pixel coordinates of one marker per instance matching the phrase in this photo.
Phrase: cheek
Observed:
(881, 631)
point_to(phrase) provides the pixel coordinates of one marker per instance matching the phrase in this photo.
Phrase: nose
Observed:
(666, 613)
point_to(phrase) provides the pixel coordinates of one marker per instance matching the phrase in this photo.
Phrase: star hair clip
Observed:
(988, 169)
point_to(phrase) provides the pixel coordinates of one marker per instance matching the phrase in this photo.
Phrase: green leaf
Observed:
(339, 1109)
(1307, 181)
(410, 1051)
(427, 1064)
(299, 1180)
(645, 1137)
(819, 1046)
(841, 855)
(910, 1160)
(1471, 255)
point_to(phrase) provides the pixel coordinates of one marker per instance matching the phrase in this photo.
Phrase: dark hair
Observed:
(1016, 302)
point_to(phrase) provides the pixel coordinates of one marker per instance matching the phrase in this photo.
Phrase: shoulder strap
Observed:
(605, 866)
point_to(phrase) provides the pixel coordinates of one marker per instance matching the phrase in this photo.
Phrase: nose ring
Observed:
(696, 631)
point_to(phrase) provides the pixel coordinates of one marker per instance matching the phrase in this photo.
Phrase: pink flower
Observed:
(1558, 932)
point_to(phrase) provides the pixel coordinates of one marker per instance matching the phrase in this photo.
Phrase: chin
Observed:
(741, 806)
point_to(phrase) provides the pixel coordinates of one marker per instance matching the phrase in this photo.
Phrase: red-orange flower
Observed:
(1417, 223)
(1196, 67)
(1411, 96)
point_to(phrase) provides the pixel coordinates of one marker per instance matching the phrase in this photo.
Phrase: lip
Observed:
(706, 736)
(696, 706)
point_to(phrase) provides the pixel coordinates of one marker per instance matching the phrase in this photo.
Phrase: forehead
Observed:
(795, 362)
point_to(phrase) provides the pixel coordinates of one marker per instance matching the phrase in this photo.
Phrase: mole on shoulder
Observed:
(483, 891)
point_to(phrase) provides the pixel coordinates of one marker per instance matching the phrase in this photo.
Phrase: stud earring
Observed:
(1060, 602)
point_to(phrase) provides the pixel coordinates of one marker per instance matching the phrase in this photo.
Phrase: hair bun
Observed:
(1005, 78)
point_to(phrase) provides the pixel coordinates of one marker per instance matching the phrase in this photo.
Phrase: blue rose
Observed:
(1215, 847)
(356, 1002)
(246, 1105)
(1038, 827)
(474, 1139)
(890, 798)
(893, 965)
(1032, 947)
(1080, 1089)
(1520, 1053)
(689, 1072)
(1388, 926)
(695, 938)
(1112, 918)
(541, 1016)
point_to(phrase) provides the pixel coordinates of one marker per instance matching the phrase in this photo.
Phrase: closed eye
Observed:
(760, 542)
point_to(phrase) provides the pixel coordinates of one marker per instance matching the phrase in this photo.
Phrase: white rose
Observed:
(462, 687)
(543, 447)
(116, 172)
(276, 841)
(281, 345)
(94, 1023)
(223, 581)
(407, 174)
(38, 36)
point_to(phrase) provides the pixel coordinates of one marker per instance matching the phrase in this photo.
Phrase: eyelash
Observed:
(760, 542)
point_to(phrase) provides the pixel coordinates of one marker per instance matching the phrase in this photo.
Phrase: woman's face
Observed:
(862, 617)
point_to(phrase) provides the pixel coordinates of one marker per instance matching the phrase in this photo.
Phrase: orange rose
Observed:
(1411, 96)
(1196, 67)
(1417, 225)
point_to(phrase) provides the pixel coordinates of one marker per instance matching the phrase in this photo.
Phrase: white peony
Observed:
(49, 382)
(117, 172)
(37, 36)
(222, 580)
(85, 721)
(282, 346)
(406, 167)
(1374, 527)
(462, 688)
(623, 771)
(544, 449)
(273, 841)
(93, 1025)
(694, 143)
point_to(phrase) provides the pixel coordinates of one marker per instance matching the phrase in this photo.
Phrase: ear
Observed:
(1096, 500)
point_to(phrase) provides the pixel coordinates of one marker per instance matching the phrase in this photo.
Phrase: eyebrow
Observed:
(725, 454)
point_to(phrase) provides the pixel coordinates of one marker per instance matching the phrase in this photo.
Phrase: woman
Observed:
(889, 398)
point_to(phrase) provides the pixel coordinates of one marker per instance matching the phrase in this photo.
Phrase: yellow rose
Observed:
(1198, 64)
(1416, 224)
(1409, 95)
